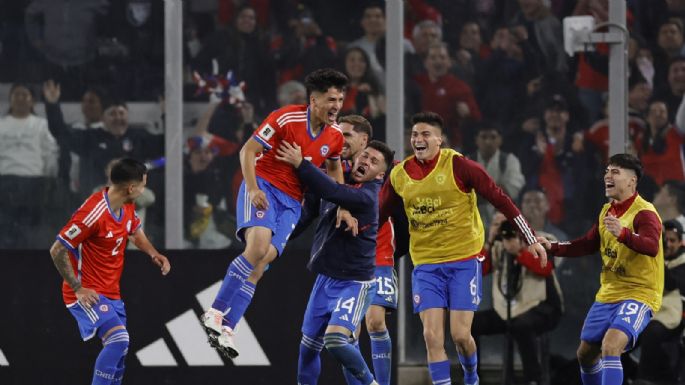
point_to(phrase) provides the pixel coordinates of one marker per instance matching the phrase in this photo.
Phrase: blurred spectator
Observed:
(241, 48)
(417, 11)
(660, 149)
(28, 160)
(363, 95)
(445, 94)
(535, 208)
(373, 24)
(503, 167)
(91, 110)
(425, 33)
(639, 93)
(96, 147)
(670, 45)
(302, 48)
(291, 92)
(501, 77)
(535, 25)
(660, 341)
(131, 57)
(669, 201)
(532, 292)
(471, 52)
(66, 32)
(551, 161)
(203, 192)
(672, 93)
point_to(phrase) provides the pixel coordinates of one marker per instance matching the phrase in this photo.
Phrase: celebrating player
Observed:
(437, 189)
(89, 254)
(357, 132)
(268, 204)
(344, 262)
(628, 236)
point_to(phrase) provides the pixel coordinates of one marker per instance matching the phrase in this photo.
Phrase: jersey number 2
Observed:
(115, 250)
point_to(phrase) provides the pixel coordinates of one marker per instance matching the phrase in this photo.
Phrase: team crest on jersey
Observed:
(267, 132)
(73, 232)
(127, 145)
(324, 150)
(260, 214)
(104, 308)
(417, 299)
(440, 178)
(128, 226)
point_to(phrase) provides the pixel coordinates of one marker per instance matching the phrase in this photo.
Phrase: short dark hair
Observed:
(127, 170)
(113, 102)
(323, 79)
(430, 118)
(627, 161)
(358, 123)
(507, 230)
(675, 226)
(488, 125)
(388, 153)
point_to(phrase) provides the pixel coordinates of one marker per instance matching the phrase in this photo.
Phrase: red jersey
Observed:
(96, 239)
(291, 123)
(385, 245)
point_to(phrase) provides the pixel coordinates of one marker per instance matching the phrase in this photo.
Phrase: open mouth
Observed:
(332, 115)
(609, 185)
(361, 170)
(420, 148)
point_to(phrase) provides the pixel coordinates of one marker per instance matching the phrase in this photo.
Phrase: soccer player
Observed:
(268, 203)
(89, 254)
(357, 132)
(628, 236)
(437, 189)
(344, 263)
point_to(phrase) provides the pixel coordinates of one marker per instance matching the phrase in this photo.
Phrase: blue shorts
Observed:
(336, 302)
(630, 317)
(281, 216)
(89, 320)
(452, 285)
(386, 287)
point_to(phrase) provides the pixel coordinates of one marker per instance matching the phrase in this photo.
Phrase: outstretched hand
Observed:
(289, 153)
(51, 91)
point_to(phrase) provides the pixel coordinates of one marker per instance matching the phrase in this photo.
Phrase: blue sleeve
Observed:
(343, 195)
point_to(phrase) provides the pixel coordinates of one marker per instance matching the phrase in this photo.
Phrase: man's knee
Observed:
(117, 341)
(434, 338)
(375, 324)
(461, 337)
(614, 343)
(587, 354)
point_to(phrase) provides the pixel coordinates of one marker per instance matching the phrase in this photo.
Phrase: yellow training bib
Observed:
(444, 223)
(626, 274)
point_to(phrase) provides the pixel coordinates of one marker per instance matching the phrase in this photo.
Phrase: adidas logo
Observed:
(627, 319)
(109, 235)
(3, 360)
(344, 317)
(189, 337)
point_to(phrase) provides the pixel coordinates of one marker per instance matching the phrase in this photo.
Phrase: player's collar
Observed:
(309, 126)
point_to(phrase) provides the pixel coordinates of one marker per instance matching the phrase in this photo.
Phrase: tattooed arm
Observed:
(60, 258)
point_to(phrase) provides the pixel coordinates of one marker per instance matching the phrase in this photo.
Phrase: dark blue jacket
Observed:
(335, 252)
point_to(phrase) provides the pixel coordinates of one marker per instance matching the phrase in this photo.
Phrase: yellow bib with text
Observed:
(627, 274)
(444, 223)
